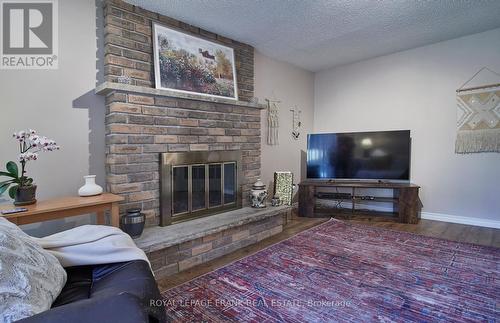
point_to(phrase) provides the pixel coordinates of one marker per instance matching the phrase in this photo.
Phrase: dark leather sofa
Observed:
(120, 292)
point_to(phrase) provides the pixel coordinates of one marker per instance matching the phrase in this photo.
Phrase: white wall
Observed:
(293, 87)
(415, 90)
(58, 104)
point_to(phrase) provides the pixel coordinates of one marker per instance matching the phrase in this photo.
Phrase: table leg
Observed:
(115, 215)
(101, 218)
(13, 220)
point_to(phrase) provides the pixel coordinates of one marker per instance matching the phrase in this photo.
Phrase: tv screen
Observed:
(382, 155)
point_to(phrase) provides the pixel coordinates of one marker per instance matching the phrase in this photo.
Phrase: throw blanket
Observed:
(478, 121)
(91, 245)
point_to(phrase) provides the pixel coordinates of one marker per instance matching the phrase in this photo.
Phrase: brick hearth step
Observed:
(181, 246)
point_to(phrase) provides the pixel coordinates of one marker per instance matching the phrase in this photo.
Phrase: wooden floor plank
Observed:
(454, 231)
(483, 236)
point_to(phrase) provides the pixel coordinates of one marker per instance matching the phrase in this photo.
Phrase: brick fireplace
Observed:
(199, 139)
(143, 122)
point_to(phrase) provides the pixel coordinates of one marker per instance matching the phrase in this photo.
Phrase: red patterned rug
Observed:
(349, 273)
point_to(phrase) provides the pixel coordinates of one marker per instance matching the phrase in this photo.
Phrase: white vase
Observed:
(90, 188)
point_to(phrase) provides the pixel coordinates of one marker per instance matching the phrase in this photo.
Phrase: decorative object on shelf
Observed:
(22, 189)
(132, 222)
(272, 122)
(258, 194)
(283, 187)
(185, 63)
(296, 123)
(275, 201)
(478, 116)
(90, 188)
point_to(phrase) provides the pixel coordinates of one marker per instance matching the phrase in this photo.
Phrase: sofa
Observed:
(120, 292)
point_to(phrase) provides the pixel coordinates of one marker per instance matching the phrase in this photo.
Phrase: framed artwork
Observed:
(283, 187)
(189, 64)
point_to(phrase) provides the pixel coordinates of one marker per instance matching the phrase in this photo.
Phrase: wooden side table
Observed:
(64, 207)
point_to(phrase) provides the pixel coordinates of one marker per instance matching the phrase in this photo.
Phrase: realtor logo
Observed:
(29, 34)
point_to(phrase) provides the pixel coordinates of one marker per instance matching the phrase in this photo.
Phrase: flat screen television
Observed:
(378, 155)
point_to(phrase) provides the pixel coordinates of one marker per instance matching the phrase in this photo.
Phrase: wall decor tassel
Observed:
(272, 122)
(478, 117)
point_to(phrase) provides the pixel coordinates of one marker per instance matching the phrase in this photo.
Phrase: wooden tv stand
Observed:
(405, 200)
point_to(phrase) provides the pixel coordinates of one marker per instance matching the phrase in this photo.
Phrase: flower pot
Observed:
(25, 195)
(90, 188)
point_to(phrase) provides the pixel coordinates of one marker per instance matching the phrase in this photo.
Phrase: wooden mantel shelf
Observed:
(107, 87)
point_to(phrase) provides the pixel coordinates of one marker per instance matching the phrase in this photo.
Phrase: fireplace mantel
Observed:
(108, 87)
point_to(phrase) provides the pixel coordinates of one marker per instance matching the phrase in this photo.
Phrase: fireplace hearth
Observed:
(196, 184)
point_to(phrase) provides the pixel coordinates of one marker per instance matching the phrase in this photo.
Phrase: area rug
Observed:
(343, 272)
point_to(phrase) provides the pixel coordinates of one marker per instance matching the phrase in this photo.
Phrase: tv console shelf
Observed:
(405, 200)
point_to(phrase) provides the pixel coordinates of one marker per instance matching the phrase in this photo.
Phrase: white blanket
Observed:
(91, 245)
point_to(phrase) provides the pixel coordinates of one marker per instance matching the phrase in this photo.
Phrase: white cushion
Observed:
(30, 277)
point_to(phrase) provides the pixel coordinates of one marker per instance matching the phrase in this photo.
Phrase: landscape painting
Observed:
(193, 65)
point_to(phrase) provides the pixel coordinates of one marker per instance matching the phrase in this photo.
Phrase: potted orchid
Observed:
(22, 189)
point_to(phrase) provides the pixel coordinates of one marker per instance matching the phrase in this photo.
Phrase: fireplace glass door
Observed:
(202, 187)
(215, 185)
(201, 183)
(229, 183)
(180, 189)
(198, 178)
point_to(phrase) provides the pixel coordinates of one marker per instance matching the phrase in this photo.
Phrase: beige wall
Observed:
(56, 103)
(293, 87)
(415, 90)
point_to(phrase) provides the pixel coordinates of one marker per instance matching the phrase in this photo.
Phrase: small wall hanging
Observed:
(478, 117)
(272, 122)
(296, 123)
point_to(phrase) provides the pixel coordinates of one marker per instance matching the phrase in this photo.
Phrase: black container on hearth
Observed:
(132, 222)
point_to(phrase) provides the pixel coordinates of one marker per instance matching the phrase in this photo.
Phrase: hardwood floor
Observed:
(444, 230)
(450, 231)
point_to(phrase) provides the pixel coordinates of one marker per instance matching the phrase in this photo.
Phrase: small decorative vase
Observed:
(258, 194)
(132, 222)
(25, 195)
(275, 201)
(90, 188)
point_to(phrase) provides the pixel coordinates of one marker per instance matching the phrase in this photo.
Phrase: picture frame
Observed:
(188, 64)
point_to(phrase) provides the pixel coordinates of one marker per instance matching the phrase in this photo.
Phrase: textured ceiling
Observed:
(318, 34)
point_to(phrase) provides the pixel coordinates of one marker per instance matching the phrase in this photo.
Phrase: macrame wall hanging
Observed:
(478, 116)
(272, 122)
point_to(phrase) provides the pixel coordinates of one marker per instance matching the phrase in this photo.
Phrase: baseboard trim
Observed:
(461, 220)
